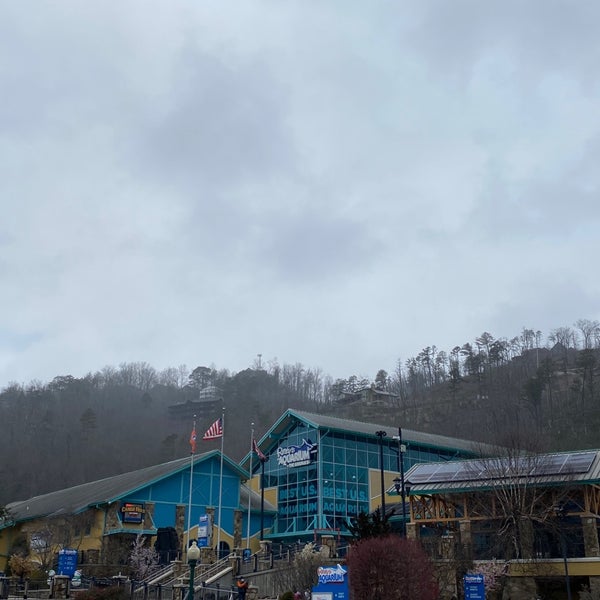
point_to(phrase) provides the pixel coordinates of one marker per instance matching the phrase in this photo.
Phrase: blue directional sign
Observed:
(67, 562)
(474, 586)
(204, 531)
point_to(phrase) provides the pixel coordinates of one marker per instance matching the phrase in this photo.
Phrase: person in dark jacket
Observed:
(242, 588)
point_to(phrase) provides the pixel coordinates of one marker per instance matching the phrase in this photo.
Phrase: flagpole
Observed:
(249, 484)
(221, 486)
(262, 499)
(263, 459)
(192, 449)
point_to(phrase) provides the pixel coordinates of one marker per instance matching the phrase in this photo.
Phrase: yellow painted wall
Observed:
(577, 567)
(6, 538)
(92, 541)
(271, 495)
(375, 488)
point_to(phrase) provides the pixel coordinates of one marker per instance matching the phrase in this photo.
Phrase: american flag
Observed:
(260, 455)
(215, 430)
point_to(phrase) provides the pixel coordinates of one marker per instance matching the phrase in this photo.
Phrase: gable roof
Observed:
(79, 498)
(326, 423)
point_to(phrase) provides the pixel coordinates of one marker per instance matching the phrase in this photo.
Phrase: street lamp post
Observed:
(193, 554)
(262, 499)
(399, 484)
(381, 435)
(561, 514)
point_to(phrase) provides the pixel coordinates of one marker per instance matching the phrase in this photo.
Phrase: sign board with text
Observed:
(204, 531)
(332, 584)
(67, 562)
(474, 586)
(132, 512)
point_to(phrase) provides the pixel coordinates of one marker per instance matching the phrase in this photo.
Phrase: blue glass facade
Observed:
(324, 488)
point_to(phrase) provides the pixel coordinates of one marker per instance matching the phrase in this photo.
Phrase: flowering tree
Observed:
(303, 574)
(494, 573)
(391, 568)
(143, 560)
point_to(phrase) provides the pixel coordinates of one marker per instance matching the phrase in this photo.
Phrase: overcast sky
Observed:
(334, 183)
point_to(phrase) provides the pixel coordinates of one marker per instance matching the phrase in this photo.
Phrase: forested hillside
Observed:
(72, 430)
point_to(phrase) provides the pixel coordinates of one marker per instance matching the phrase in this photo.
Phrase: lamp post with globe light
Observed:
(193, 554)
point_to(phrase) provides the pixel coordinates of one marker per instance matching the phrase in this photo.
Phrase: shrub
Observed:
(391, 568)
(21, 566)
(287, 596)
(114, 592)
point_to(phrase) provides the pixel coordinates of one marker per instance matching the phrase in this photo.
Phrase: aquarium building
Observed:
(320, 471)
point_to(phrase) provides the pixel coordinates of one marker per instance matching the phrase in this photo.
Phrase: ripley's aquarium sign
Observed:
(332, 584)
(297, 456)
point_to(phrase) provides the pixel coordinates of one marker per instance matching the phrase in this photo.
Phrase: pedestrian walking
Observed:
(242, 588)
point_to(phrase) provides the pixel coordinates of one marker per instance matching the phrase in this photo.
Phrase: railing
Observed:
(26, 588)
(216, 592)
(159, 575)
(163, 585)
(209, 572)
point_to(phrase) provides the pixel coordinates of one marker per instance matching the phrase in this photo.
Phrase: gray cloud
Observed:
(220, 125)
(336, 185)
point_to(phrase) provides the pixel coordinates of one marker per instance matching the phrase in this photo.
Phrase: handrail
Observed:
(203, 574)
(157, 576)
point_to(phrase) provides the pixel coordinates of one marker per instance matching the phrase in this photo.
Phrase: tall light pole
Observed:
(250, 485)
(561, 514)
(193, 554)
(399, 485)
(381, 435)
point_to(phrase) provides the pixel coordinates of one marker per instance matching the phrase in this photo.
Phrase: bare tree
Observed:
(589, 332)
(514, 498)
(59, 532)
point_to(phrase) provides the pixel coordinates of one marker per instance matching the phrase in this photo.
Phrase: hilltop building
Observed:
(207, 402)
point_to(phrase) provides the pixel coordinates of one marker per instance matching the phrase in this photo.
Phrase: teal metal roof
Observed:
(77, 499)
(326, 423)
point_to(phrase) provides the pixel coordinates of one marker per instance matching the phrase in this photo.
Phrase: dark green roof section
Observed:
(79, 498)
(347, 426)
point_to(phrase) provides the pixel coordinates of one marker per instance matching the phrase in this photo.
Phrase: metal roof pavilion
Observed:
(482, 473)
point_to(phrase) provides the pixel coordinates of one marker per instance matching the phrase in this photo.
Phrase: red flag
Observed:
(260, 455)
(193, 439)
(215, 430)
